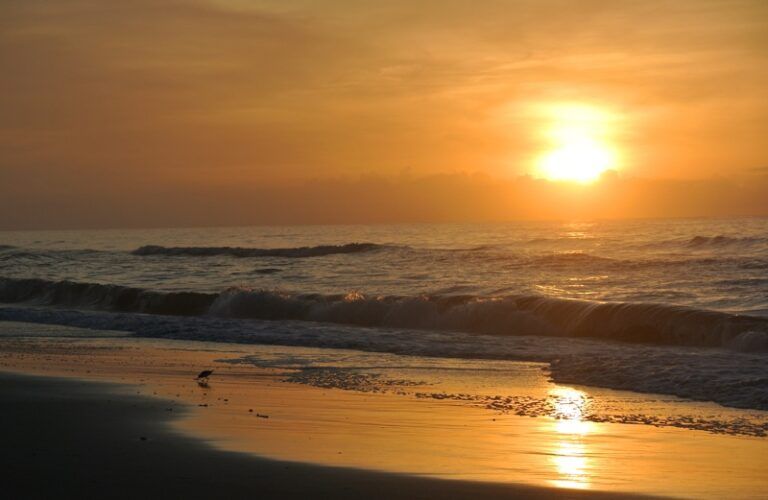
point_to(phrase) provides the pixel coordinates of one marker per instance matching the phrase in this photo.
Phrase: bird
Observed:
(202, 377)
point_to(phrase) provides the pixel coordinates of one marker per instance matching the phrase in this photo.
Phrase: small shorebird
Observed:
(202, 377)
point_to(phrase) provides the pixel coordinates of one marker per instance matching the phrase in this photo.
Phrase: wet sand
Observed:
(419, 448)
(72, 439)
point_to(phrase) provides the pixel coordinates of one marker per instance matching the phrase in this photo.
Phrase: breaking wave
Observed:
(569, 258)
(105, 297)
(723, 241)
(297, 252)
(512, 315)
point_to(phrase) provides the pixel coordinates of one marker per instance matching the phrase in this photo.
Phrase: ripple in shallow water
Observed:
(562, 403)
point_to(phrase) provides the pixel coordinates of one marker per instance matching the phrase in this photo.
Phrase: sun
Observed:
(578, 158)
(579, 146)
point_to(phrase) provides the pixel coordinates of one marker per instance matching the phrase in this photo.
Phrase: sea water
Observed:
(664, 306)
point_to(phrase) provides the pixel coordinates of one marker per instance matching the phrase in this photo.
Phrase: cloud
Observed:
(216, 94)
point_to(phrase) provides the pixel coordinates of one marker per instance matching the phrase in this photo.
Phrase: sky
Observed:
(226, 112)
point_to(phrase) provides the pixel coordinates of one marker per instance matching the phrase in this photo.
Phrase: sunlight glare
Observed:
(580, 150)
(570, 457)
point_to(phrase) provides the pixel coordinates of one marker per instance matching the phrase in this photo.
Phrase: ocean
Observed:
(676, 307)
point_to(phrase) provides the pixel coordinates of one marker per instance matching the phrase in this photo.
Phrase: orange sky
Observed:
(169, 112)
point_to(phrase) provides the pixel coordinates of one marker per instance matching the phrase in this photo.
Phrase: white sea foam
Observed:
(729, 378)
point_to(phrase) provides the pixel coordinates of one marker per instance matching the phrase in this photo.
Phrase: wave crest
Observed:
(723, 241)
(571, 258)
(510, 315)
(505, 315)
(297, 252)
(107, 297)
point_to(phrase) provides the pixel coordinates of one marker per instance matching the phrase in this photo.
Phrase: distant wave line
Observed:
(511, 315)
(295, 252)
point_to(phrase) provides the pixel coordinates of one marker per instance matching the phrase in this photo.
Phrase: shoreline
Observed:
(92, 440)
(705, 374)
(394, 431)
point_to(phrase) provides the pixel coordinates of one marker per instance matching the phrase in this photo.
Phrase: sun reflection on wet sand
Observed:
(570, 455)
(380, 431)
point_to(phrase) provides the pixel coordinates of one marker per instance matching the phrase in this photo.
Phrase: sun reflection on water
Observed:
(570, 455)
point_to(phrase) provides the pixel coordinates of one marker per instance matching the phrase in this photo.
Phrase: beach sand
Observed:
(77, 427)
(69, 439)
